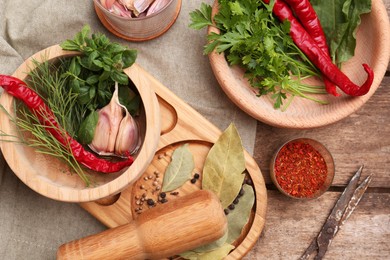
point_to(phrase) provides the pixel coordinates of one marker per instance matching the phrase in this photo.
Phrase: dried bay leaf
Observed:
(238, 217)
(214, 245)
(218, 254)
(179, 169)
(224, 166)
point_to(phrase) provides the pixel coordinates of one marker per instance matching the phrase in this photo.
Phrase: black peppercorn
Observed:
(231, 206)
(241, 192)
(163, 194)
(193, 180)
(226, 211)
(196, 175)
(150, 202)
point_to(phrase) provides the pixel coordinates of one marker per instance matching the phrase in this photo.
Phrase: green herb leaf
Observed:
(179, 169)
(87, 128)
(129, 57)
(340, 19)
(129, 99)
(253, 38)
(224, 166)
(201, 18)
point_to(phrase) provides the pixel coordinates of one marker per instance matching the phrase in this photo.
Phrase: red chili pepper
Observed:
(306, 14)
(320, 59)
(35, 103)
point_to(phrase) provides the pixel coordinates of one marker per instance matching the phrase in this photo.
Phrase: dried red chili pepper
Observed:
(306, 14)
(35, 103)
(300, 169)
(320, 59)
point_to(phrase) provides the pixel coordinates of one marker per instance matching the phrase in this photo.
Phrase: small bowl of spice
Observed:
(137, 20)
(302, 169)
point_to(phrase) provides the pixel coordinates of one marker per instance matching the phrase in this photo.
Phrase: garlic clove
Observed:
(129, 4)
(128, 138)
(107, 127)
(141, 5)
(156, 6)
(118, 9)
(107, 3)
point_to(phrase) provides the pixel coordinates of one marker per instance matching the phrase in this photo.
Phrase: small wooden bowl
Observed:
(373, 48)
(327, 160)
(54, 178)
(139, 29)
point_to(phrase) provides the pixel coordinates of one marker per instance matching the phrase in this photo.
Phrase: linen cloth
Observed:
(32, 226)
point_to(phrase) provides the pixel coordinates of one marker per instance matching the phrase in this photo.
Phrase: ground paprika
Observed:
(300, 170)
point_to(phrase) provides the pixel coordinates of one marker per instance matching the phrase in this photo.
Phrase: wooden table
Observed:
(362, 138)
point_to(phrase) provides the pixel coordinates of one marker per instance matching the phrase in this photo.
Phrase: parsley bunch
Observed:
(251, 37)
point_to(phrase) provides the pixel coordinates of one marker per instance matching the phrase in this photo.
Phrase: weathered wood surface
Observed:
(362, 138)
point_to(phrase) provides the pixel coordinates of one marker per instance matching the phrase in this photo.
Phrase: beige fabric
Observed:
(32, 226)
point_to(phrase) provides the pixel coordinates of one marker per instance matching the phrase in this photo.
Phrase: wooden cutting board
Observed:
(180, 124)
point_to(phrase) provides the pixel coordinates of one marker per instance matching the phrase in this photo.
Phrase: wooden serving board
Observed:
(180, 124)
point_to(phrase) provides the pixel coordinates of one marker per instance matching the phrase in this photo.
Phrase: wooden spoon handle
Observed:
(166, 230)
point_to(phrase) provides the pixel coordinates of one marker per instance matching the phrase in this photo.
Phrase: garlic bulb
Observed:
(116, 132)
(156, 6)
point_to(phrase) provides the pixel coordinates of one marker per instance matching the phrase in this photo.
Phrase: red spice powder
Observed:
(300, 169)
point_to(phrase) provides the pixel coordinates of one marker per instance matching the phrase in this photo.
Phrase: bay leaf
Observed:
(236, 219)
(213, 245)
(239, 217)
(179, 169)
(224, 166)
(217, 254)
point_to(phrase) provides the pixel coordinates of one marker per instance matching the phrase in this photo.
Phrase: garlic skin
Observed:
(156, 6)
(128, 139)
(116, 132)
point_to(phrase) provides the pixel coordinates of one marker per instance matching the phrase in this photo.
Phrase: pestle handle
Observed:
(166, 230)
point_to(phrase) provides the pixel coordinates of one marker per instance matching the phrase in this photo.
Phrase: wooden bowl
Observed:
(373, 48)
(139, 29)
(53, 178)
(289, 172)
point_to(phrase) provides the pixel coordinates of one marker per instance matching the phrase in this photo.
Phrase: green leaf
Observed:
(340, 19)
(93, 79)
(70, 45)
(236, 8)
(83, 98)
(179, 169)
(87, 128)
(129, 99)
(239, 217)
(201, 18)
(121, 78)
(129, 57)
(217, 254)
(91, 92)
(74, 67)
(224, 166)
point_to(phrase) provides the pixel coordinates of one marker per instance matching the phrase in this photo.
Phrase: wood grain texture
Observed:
(182, 125)
(160, 232)
(361, 138)
(54, 178)
(373, 37)
(140, 29)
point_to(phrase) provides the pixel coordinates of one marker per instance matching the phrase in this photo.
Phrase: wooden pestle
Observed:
(166, 230)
